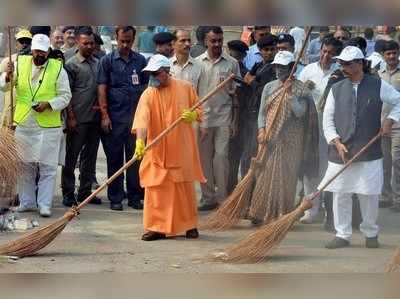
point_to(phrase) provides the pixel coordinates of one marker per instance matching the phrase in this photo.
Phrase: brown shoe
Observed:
(192, 234)
(152, 236)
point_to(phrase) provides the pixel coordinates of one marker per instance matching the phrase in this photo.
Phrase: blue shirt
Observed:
(122, 92)
(313, 50)
(253, 56)
(145, 42)
(370, 47)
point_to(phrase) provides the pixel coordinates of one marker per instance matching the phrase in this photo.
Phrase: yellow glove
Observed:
(189, 116)
(140, 149)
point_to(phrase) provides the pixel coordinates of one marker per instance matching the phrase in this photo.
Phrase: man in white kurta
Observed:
(351, 118)
(40, 145)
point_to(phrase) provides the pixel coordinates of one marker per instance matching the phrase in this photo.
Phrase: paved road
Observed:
(102, 240)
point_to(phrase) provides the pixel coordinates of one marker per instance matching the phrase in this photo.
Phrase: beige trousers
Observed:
(214, 160)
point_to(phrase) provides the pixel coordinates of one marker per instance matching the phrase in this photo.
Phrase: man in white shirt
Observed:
(42, 91)
(376, 58)
(352, 117)
(183, 66)
(299, 36)
(318, 74)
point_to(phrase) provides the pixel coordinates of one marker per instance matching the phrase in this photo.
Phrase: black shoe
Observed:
(153, 236)
(337, 243)
(192, 233)
(116, 206)
(69, 200)
(208, 207)
(372, 242)
(94, 201)
(137, 205)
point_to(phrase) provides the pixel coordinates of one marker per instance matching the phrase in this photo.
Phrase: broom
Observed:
(10, 151)
(394, 265)
(258, 245)
(234, 206)
(31, 243)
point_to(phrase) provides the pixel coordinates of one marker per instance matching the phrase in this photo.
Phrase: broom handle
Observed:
(155, 141)
(286, 86)
(11, 78)
(348, 163)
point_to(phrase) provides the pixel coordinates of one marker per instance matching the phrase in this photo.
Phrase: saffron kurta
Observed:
(168, 169)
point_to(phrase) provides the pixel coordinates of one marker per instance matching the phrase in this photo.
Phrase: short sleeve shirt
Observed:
(125, 83)
(218, 109)
(189, 72)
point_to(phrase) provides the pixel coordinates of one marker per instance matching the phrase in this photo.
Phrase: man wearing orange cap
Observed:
(170, 167)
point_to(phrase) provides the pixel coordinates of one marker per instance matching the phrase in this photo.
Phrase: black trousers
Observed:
(249, 139)
(119, 146)
(84, 139)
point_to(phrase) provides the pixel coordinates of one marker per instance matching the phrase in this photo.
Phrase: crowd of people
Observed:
(70, 95)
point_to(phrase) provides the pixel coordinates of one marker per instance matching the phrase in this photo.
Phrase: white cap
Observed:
(350, 53)
(283, 58)
(156, 62)
(40, 42)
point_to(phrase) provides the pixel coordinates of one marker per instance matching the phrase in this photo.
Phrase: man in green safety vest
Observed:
(42, 91)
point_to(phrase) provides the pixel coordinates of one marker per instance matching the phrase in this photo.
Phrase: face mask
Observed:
(153, 81)
(282, 73)
(39, 60)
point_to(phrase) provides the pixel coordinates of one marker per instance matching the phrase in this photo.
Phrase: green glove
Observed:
(140, 149)
(189, 116)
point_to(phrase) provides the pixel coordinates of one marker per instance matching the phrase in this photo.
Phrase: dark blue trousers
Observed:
(119, 146)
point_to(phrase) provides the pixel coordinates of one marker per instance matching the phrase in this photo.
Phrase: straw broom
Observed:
(394, 265)
(258, 245)
(10, 158)
(234, 206)
(31, 243)
(10, 151)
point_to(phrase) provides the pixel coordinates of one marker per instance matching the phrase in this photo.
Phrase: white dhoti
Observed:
(364, 179)
(40, 150)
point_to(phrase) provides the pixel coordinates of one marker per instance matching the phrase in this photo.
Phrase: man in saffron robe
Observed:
(170, 167)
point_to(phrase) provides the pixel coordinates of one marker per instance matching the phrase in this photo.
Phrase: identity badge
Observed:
(222, 76)
(135, 78)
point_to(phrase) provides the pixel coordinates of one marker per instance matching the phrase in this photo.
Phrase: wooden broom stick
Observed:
(348, 163)
(11, 79)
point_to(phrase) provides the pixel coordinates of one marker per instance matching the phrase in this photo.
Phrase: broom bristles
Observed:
(10, 158)
(394, 265)
(30, 244)
(233, 208)
(257, 246)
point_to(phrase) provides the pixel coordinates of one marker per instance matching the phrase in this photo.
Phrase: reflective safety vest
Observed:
(45, 91)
